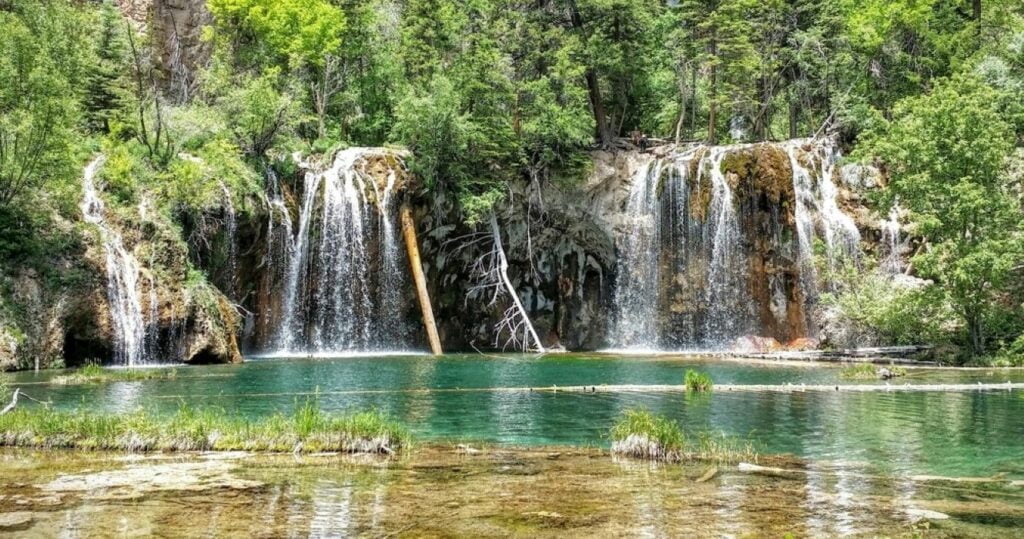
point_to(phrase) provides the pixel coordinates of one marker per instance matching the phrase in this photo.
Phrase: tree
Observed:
(303, 35)
(43, 65)
(722, 28)
(946, 152)
(107, 74)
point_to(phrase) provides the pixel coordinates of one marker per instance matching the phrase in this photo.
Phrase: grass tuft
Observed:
(308, 429)
(867, 371)
(697, 381)
(641, 434)
(95, 374)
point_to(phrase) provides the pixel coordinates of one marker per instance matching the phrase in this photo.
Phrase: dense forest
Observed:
(489, 93)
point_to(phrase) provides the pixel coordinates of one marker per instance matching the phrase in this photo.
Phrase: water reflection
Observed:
(440, 492)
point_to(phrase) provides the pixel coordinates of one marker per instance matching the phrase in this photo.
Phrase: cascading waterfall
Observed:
(122, 276)
(819, 200)
(152, 344)
(892, 243)
(705, 259)
(344, 280)
(230, 234)
(725, 292)
(636, 297)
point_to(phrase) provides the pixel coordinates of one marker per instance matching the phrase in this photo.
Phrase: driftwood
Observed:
(14, 402)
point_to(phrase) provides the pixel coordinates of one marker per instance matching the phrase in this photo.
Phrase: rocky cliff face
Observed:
(726, 251)
(657, 225)
(59, 311)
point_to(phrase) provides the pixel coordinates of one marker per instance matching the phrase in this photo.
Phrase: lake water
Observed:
(977, 433)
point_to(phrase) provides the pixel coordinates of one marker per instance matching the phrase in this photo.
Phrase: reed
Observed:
(698, 382)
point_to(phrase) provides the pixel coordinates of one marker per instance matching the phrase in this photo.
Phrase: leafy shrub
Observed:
(897, 313)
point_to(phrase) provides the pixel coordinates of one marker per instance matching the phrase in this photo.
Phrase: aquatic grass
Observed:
(308, 429)
(643, 435)
(95, 374)
(867, 371)
(698, 382)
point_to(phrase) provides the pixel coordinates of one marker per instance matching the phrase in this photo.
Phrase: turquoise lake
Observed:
(974, 433)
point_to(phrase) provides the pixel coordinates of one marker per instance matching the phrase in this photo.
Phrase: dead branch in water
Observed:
(14, 402)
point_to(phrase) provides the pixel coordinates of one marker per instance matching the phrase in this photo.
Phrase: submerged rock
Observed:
(15, 521)
(147, 477)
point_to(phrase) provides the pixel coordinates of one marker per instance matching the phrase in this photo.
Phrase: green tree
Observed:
(43, 63)
(723, 29)
(946, 153)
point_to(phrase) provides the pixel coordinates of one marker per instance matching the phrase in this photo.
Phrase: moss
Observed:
(772, 174)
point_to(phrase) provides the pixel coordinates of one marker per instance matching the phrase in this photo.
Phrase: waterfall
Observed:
(724, 293)
(817, 209)
(122, 276)
(230, 234)
(891, 264)
(707, 257)
(344, 278)
(659, 214)
(636, 296)
(152, 344)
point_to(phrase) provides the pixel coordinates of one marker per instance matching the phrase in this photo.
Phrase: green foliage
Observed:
(191, 429)
(453, 149)
(43, 58)
(946, 152)
(107, 76)
(299, 31)
(1011, 355)
(697, 382)
(893, 311)
(258, 114)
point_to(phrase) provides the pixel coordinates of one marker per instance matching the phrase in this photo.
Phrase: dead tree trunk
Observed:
(519, 312)
(412, 248)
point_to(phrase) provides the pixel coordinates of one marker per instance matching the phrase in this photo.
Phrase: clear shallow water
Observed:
(959, 434)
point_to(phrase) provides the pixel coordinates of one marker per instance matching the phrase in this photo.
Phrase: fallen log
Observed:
(413, 250)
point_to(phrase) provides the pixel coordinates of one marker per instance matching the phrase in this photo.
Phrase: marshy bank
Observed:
(307, 429)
